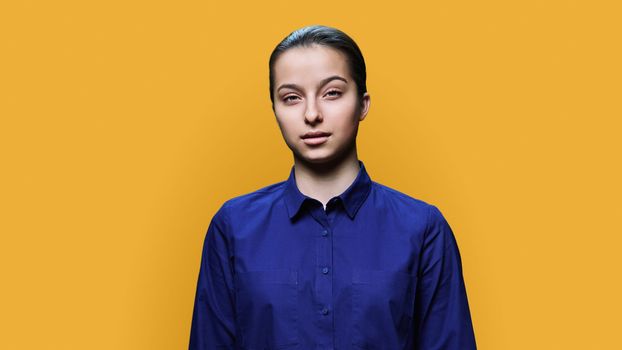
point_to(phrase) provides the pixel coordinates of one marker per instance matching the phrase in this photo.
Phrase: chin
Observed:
(318, 157)
(313, 156)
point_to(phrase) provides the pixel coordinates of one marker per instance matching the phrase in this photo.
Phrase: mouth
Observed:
(313, 134)
(315, 138)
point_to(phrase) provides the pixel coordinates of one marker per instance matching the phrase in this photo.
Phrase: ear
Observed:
(365, 101)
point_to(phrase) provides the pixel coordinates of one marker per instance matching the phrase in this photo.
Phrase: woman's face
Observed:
(314, 92)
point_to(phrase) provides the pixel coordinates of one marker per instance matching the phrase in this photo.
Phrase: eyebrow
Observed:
(322, 83)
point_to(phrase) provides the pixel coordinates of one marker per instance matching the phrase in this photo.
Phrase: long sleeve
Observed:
(442, 317)
(213, 319)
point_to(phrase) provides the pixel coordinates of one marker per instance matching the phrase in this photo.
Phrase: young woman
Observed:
(328, 259)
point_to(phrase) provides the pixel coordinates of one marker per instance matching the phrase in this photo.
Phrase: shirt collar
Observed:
(352, 198)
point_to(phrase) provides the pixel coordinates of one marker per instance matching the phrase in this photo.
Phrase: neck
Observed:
(323, 181)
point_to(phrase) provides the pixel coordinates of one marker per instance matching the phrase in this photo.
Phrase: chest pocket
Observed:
(382, 308)
(266, 309)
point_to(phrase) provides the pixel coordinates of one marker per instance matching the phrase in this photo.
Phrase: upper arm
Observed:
(442, 317)
(213, 320)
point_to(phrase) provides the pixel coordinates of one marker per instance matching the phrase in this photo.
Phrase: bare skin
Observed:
(314, 91)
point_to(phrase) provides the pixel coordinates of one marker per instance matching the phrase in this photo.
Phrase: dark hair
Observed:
(327, 36)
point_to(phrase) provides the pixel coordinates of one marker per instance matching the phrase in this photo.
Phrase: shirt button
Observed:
(324, 233)
(325, 270)
(325, 311)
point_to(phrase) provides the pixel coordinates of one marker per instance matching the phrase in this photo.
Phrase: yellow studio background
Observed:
(125, 125)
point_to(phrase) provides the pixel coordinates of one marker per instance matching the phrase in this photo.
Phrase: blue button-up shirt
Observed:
(375, 269)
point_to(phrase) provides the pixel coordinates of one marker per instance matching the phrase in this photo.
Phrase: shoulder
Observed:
(398, 198)
(410, 208)
(254, 201)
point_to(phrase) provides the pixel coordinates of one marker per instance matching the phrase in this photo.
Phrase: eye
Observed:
(334, 93)
(287, 98)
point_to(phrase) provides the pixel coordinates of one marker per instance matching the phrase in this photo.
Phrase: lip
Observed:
(316, 137)
(312, 134)
(317, 140)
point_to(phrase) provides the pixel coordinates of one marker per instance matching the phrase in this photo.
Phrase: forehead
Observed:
(309, 63)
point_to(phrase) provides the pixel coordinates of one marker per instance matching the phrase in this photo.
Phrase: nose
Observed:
(312, 113)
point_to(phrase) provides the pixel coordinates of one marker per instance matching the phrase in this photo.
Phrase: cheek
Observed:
(344, 108)
(285, 115)
(343, 116)
(287, 125)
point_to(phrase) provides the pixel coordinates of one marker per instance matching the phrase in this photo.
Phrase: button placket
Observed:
(323, 277)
